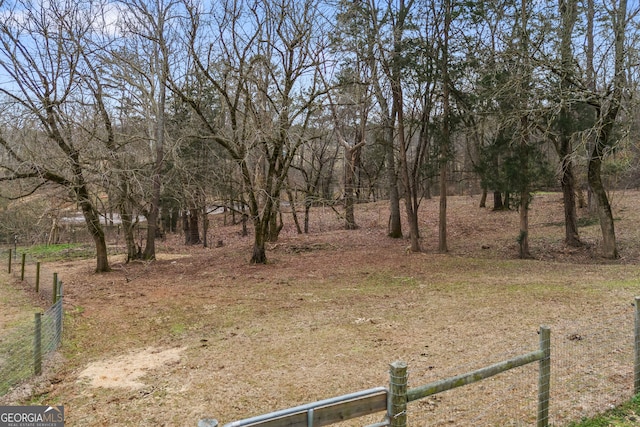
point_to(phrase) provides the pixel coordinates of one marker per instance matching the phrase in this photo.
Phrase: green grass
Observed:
(60, 252)
(625, 415)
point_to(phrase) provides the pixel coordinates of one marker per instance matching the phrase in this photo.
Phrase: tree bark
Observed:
(525, 135)
(442, 211)
(483, 198)
(205, 227)
(294, 213)
(350, 154)
(185, 227)
(388, 110)
(498, 204)
(92, 219)
(410, 196)
(445, 143)
(127, 229)
(194, 226)
(603, 208)
(567, 182)
(568, 11)
(259, 255)
(395, 222)
(525, 192)
(162, 61)
(606, 119)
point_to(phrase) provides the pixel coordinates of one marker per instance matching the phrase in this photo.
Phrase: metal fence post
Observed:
(59, 314)
(544, 378)
(37, 345)
(22, 263)
(9, 268)
(55, 287)
(636, 350)
(397, 407)
(38, 277)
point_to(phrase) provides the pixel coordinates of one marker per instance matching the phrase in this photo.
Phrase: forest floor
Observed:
(201, 333)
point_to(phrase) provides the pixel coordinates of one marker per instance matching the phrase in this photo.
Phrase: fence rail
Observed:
(24, 347)
(394, 399)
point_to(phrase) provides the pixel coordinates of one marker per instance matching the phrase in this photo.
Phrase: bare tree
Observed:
(360, 35)
(607, 110)
(392, 66)
(350, 112)
(315, 164)
(42, 57)
(523, 93)
(566, 120)
(255, 55)
(149, 31)
(445, 143)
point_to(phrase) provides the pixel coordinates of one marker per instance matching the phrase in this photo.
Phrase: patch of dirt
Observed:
(125, 371)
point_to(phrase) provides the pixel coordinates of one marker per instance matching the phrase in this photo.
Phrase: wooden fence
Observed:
(394, 399)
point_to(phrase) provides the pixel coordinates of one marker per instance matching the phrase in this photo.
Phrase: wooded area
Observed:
(154, 110)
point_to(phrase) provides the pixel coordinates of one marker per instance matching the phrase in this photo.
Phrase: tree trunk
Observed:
(395, 222)
(410, 196)
(259, 255)
(568, 11)
(389, 115)
(307, 210)
(162, 62)
(185, 227)
(442, 220)
(525, 136)
(205, 227)
(607, 116)
(483, 198)
(274, 223)
(92, 219)
(603, 208)
(523, 238)
(152, 222)
(446, 131)
(569, 200)
(194, 227)
(411, 211)
(244, 219)
(294, 213)
(127, 229)
(349, 176)
(524, 191)
(498, 204)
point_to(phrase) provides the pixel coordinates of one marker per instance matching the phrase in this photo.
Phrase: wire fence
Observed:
(592, 370)
(25, 345)
(33, 274)
(592, 364)
(584, 366)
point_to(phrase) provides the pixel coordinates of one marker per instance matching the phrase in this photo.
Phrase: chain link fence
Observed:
(24, 345)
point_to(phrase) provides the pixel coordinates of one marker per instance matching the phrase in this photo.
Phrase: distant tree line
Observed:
(160, 109)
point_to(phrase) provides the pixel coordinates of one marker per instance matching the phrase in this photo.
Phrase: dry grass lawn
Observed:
(201, 333)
